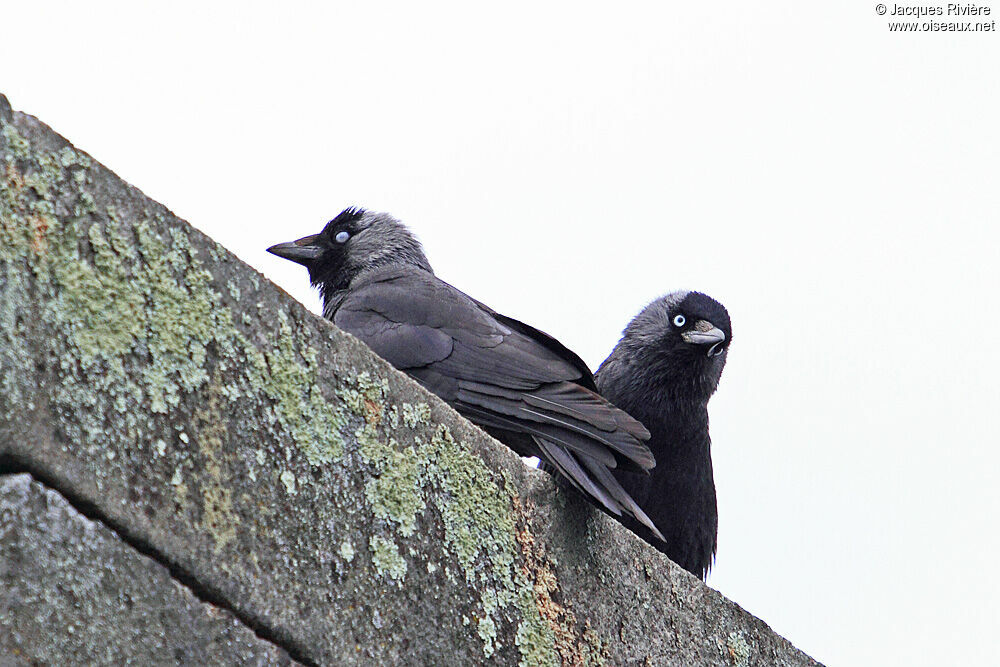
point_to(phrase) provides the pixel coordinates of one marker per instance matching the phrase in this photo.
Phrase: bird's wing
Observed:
(586, 378)
(413, 320)
(459, 350)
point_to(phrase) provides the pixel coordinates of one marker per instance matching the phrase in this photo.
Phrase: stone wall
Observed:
(195, 468)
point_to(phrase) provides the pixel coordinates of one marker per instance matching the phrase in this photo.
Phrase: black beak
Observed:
(303, 251)
(706, 333)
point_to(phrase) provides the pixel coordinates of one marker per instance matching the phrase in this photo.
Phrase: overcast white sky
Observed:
(834, 184)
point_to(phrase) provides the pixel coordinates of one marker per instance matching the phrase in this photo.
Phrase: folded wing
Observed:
(501, 374)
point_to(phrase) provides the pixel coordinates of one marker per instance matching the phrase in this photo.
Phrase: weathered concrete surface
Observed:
(336, 507)
(68, 584)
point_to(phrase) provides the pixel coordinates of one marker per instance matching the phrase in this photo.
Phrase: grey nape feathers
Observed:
(519, 384)
(663, 372)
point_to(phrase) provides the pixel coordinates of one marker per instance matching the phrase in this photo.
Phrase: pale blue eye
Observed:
(679, 320)
(341, 237)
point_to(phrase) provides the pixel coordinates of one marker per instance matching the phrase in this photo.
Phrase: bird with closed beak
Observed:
(519, 384)
(663, 372)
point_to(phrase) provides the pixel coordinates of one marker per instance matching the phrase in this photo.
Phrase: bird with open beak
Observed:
(663, 372)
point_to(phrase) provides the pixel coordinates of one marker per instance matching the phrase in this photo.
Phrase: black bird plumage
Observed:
(663, 372)
(519, 384)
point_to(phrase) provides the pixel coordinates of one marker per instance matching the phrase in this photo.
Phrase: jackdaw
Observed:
(662, 372)
(519, 384)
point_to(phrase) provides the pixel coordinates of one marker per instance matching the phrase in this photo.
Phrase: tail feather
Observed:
(609, 482)
(594, 432)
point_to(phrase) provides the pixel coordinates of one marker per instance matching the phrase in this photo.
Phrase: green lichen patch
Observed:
(16, 144)
(69, 158)
(534, 637)
(288, 479)
(738, 649)
(396, 493)
(416, 413)
(476, 512)
(386, 558)
(288, 376)
(365, 397)
(478, 515)
(487, 630)
(139, 331)
(96, 304)
(395, 490)
(135, 312)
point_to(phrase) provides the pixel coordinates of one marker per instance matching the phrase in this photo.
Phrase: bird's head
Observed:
(698, 325)
(682, 338)
(352, 243)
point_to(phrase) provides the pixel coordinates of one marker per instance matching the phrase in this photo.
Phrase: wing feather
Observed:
(501, 374)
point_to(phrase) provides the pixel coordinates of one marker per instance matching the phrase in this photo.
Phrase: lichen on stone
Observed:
(135, 293)
(396, 493)
(288, 375)
(288, 479)
(386, 558)
(141, 329)
(476, 512)
(487, 631)
(738, 649)
(416, 413)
